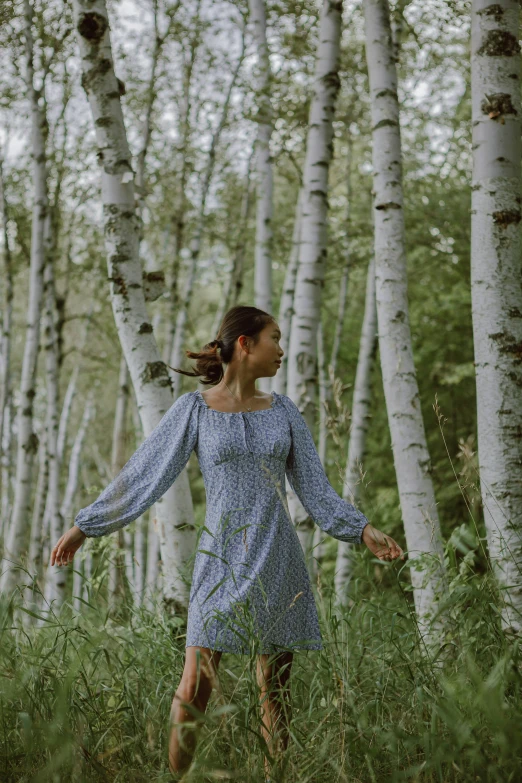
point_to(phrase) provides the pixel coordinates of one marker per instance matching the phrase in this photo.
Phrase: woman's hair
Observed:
(249, 321)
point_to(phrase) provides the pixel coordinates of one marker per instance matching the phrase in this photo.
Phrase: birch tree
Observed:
(27, 441)
(302, 358)
(496, 288)
(410, 452)
(148, 372)
(7, 320)
(286, 302)
(358, 428)
(264, 177)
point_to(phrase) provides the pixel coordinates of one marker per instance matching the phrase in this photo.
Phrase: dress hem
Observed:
(262, 652)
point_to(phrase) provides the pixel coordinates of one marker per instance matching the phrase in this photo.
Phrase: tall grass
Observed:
(87, 697)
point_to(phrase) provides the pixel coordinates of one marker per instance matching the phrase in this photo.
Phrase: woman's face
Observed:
(266, 355)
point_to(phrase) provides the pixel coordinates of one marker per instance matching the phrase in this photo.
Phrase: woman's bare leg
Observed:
(273, 678)
(197, 681)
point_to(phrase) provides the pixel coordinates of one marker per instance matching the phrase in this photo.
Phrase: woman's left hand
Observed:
(381, 545)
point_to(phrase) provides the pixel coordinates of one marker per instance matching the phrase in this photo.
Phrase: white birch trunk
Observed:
(286, 302)
(264, 177)
(410, 452)
(148, 372)
(302, 358)
(70, 494)
(27, 440)
(6, 468)
(55, 578)
(7, 320)
(116, 553)
(343, 291)
(496, 288)
(77, 585)
(359, 427)
(319, 539)
(35, 557)
(138, 544)
(195, 246)
(66, 509)
(70, 394)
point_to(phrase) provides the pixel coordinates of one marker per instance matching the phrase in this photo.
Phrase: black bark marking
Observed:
(145, 328)
(388, 205)
(120, 289)
(497, 43)
(497, 105)
(386, 91)
(154, 277)
(385, 123)
(506, 217)
(332, 80)
(492, 10)
(154, 371)
(31, 447)
(103, 122)
(507, 344)
(101, 68)
(92, 26)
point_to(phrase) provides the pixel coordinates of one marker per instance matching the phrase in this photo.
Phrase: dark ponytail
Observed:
(239, 320)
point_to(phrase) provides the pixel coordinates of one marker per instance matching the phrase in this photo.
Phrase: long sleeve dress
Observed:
(250, 588)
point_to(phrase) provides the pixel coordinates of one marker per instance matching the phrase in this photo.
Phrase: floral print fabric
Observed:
(250, 588)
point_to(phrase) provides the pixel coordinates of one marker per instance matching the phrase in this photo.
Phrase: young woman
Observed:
(250, 588)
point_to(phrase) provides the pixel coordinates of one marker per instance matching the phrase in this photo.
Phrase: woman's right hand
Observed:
(67, 546)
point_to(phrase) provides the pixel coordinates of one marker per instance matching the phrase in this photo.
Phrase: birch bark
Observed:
(118, 459)
(264, 176)
(410, 452)
(302, 354)
(286, 302)
(7, 320)
(27, 440)
(55, 578)
(496, 288)
(343, 292)
(148, 372)
(359, 427)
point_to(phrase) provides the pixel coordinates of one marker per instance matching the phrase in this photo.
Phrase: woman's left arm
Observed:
(329, 511)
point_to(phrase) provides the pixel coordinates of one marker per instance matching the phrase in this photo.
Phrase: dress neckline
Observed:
(236, 413)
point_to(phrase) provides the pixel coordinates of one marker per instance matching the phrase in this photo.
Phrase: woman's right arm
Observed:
(145, 478)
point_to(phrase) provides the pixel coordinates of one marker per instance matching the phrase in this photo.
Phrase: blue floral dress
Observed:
(250, 588)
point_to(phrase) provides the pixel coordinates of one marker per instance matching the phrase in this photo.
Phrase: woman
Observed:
(250, 587)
